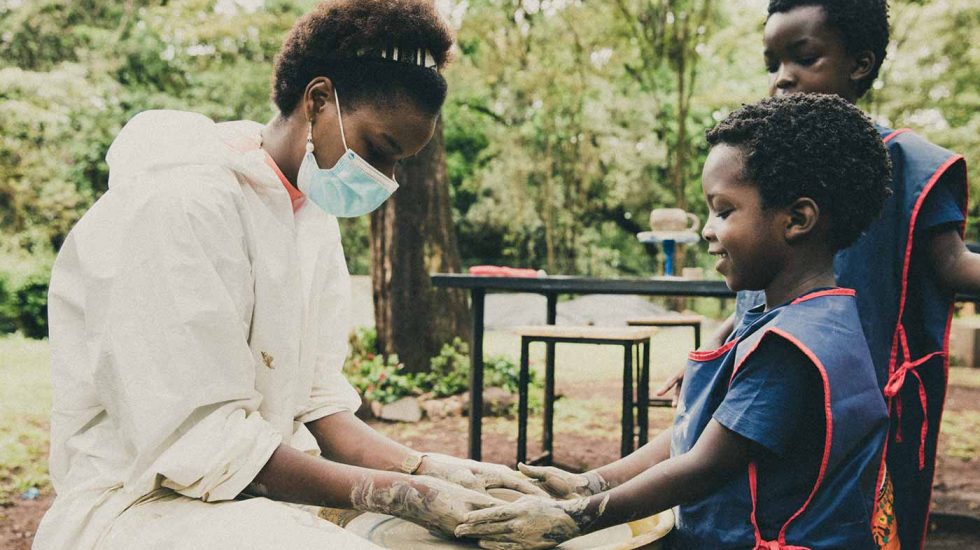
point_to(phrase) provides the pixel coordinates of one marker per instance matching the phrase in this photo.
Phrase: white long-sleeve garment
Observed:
(197, 322)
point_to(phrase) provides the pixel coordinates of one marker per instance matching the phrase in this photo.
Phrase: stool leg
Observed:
(547, 433)
(697, 336)
(547, 439)
(626, 445)
(643, 393)
(523, 383)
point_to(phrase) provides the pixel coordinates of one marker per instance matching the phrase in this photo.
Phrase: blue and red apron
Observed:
(913, 363)
(907, 332)
(825, 327)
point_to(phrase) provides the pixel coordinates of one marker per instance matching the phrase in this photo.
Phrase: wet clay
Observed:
(564, 484)
(394, 533)
(429, 502)
(389, 532)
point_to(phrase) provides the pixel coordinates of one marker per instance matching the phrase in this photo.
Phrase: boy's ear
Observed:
(864, 65)
(803, 216)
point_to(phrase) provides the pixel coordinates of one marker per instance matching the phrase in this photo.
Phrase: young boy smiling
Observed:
(778, 434)
(909, 264)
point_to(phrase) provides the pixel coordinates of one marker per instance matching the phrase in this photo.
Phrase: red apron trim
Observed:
(897, 381)
(708, 355)
(822, 293)
(828, 431)
(898, 372)
(760, 543)
(738, 365)
(895, 134)
(908, 247)
(780, 543)
(949, 323)
(897, 337)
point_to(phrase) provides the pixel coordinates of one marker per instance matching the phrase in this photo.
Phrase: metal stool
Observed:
(679, 320)
(635, 342)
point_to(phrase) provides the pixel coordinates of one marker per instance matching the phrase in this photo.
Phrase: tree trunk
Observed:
(412, 235)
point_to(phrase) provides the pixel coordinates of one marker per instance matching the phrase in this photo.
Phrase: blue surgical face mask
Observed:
(351, 188)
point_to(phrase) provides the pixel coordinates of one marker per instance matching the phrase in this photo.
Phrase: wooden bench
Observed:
(679, 320)
(636, 355)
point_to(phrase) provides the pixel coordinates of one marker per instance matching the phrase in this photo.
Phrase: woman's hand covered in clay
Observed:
(561, 484)
(529, 523)
(435, 504)
(475, 475)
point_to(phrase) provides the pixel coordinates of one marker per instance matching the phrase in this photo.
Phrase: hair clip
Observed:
(415, 56)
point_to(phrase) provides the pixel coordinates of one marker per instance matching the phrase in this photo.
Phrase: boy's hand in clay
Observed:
(530, 523)
(432, 503)
(561, 484)
(478, 476)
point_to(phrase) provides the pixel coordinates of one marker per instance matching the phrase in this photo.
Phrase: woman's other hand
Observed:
(433, 503)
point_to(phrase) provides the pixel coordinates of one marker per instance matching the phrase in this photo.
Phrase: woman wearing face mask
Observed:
(199, 319)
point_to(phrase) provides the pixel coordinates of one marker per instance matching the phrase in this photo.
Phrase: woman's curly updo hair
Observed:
(329, 42)
(817, 146)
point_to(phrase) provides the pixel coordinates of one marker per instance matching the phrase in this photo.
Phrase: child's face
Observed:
(803, 54)
(745, 238)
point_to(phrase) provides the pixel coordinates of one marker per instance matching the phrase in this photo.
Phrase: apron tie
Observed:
(776, 545)
(894, 387)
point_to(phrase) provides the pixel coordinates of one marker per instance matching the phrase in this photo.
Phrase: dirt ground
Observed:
(586, 437)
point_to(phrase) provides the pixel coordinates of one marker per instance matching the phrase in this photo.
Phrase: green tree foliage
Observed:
(73, 72)
(931, 80)
(568, 120)
(575, 119)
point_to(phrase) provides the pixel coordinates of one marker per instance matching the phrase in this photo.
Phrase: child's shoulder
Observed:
(805, 321)
(914, 146)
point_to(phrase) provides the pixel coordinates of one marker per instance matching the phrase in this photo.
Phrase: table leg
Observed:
(697, 336)
(626, 445)
(547, 438)
(523, 384)
(476, 376)
(668, 257)
(643, 394)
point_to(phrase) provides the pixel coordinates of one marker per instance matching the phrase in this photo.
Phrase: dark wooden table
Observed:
(551, 288)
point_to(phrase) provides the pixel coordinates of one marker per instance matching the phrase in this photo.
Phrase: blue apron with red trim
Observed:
(910, 357)
(836, 513)
(917, 353)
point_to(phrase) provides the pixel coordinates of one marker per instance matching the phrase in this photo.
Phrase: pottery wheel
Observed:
(390, 532)
(397, 534)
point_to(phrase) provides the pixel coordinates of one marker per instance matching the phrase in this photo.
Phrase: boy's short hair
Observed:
(862, 24)
(817, 146)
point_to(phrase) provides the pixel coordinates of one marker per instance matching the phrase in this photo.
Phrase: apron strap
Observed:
(893, 390)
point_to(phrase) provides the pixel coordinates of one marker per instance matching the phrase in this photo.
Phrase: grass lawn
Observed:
(25, 401)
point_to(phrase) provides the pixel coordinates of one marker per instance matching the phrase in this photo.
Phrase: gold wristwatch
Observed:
(412, 463)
